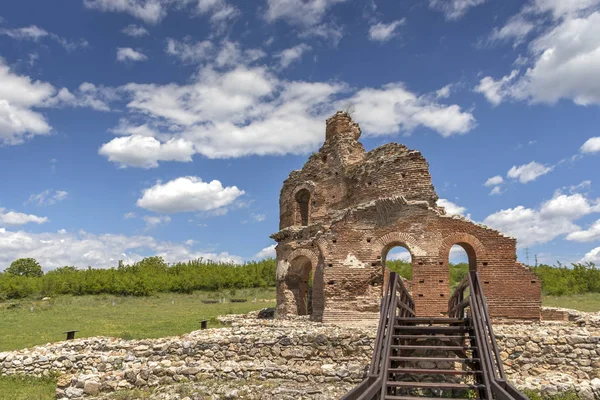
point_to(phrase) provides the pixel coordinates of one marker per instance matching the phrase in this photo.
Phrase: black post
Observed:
(203, 324)
(70, 334)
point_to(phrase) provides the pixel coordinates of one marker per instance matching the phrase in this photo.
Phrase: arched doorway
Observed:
(299, 282)
(462, 258)
(397, 258)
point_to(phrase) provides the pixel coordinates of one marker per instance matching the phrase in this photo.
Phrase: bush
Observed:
(150, 275)
(25, 267)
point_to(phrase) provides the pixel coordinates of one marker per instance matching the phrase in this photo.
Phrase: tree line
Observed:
(25, 278)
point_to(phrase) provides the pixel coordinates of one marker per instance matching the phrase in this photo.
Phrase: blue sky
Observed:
(138, 127)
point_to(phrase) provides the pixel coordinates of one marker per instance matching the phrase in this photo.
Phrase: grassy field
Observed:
(589, 302)
(24, 388)
(165, 314)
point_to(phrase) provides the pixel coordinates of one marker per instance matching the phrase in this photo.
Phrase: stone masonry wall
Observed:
(549, 357)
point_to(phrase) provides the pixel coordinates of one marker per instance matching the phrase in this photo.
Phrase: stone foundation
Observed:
(292, 358)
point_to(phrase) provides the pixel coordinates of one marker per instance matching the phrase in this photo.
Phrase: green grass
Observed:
(589, 302)
(164, 314)
(27, 388)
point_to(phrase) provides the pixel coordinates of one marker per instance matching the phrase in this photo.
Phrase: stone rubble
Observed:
(292, 358)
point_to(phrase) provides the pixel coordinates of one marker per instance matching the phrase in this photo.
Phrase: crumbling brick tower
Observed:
(346, 208)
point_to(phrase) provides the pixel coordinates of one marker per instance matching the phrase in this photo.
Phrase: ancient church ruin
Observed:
(346, 208)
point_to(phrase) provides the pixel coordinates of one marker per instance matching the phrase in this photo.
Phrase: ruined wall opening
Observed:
(302, 207)
(461, 259)
(397, 258)
(299, 282)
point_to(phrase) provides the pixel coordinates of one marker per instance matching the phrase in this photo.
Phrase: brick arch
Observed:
(398, 238)
(299, 219)
(323, 246)
(310, 254)
(473, 246)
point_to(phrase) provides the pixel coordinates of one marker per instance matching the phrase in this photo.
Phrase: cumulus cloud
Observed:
(554, 218)
(494, 180)
(82, 249)
(189, 52)
(451, 208)
(219, 10)
(564, 59)
(592, 145)
(146, 152)
(267, 252)
(588, 235)
(125, 54)
(188, 193)
(592, 256)
(47, 197)
(291, 55)
(393, 109)
(383, 32)
(17, 218)
(156, 220)
(528, 172)
(135, 30)
(454, 9)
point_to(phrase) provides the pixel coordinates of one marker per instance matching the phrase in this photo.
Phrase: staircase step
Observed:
(434, 385)
(432, 321)
(433, 329)
(436, 337)
(418, 347)
(435, 359)
(419, 371)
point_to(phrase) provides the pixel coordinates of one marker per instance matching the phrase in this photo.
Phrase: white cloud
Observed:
(47, 197)
(451, 208)
(554, 218)
(259, 217)
(220, 11)
(383, 32)
(125, 54)
(29, 32)
(496, 91)
(398, 253)
(592, 145)
(36, 33)
(496, 190)
(16, 218)
(146, 152)
(516, 29)
(82, 249)
(393, 109)
(592, 256)
(454, 9)
(190, 52)
(267, 252)
(528, 172)
(135, 30)
(494, 180)
(288, 56)
(150, 11)
(444, 92)
(565, 58)
(129, 215)
(588, 235)
(188, 194)
(154, 221)
(307, 15)
(299, 12)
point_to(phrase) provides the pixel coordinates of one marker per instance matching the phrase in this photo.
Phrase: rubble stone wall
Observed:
(548, 357)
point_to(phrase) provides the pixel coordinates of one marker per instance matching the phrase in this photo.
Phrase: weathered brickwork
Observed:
(346, 208)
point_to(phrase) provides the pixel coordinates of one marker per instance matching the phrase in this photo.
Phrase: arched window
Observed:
(299, 281)
(302, 207)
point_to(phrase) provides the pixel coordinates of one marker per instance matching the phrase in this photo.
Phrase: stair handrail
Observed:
(392, 306)
(491, 363)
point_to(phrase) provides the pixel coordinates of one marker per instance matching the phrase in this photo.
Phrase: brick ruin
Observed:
(346, 208)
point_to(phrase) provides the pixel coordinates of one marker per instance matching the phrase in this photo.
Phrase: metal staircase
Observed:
(454, 357)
